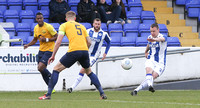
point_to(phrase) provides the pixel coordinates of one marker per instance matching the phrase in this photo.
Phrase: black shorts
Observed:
(43, 56)
(71, 57)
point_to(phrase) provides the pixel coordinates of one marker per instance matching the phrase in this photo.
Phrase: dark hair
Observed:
(97, 19)
(114, 4)
(39, 13)
(154, 25)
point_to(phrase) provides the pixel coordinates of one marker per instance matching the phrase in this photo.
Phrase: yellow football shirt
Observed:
(76, 34)
(46, 31)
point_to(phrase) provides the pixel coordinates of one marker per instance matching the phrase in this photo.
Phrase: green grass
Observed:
(90, 99)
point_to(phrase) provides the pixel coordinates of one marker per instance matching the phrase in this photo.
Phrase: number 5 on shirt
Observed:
(79, 32)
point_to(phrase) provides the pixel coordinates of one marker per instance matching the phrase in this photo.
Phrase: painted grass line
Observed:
(143, 102)
(116, 101)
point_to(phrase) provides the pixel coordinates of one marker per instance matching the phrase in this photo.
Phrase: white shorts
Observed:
(92, 61)
(157, 67)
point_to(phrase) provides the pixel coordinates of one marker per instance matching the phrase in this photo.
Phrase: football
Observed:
(126, 63)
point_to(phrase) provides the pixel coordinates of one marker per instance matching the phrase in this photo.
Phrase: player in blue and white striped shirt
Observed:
(97, 36)
(156, 58)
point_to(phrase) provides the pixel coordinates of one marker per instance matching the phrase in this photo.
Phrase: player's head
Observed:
(39, 18)
(59, 1)
(70, 16)
(154, 30)
(102, 1)
(97, 24)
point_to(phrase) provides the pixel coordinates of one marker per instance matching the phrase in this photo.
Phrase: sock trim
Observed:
(149, 74)
(90, 74)
(81, 74)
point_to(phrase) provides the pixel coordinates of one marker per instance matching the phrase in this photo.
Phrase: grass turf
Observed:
(91, 99)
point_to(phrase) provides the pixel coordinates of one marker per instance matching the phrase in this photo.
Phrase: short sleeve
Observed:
(62, 29)
(51, 30)
(35, 35)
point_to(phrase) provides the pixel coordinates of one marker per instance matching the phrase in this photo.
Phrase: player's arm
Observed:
(147, 50)
(56, 47)
(54, 38)
(43, 39)
(87, 37)
(31, 43)
(61, 34)
(107, 39)
(53, 32)
(159, 39)
(88, 41)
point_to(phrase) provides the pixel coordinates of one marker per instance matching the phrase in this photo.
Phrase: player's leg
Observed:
(149, 76)
(148, 79)
(158, 70)
(94, 80)
(85, 63)
(65, 62)
(77, 81)
(43, 59)
(54, 77)
(44, 72)
(80, 76)
(144, 84)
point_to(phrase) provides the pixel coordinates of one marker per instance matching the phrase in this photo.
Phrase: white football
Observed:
(126, 63)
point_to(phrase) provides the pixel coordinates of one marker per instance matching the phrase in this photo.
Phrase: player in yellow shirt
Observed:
(79, 41)
(47, 36)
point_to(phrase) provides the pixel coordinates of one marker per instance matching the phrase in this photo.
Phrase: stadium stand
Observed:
(43, 4)
(125, 3)
(180, 2)
(115, 29)
(133, 15)
(1, 16)
(132, 35)
(27, 16)
(176, 27)
(11, 16)
(87, 25)
(130, 29)
(141, 41)
(115, 41)
(128, 41)
(199, 19)
(73, 4)
(23, 29)
(173, 42)
(144, 29)
(135, 5)
(32, 28)
(55, 25)
(65, 41)
(104, 27)
(163, 29)
(193, 8)
(30, 5)
(15, 5)
(10, 30)
(30, 38)
(3, 3)
(109, 2)
(3, 8)
(23, 37)
(147, 17)
(140, 12)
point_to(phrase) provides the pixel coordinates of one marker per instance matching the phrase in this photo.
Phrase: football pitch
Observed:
(91, 99)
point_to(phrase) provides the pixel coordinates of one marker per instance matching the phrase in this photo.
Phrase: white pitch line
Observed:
(116, 101)
(142, 102)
